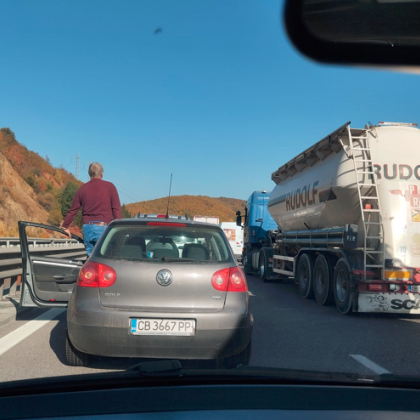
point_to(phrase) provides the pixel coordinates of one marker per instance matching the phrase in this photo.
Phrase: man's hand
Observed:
(67, 231)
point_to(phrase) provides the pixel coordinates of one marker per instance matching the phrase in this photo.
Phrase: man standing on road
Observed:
(100, 206)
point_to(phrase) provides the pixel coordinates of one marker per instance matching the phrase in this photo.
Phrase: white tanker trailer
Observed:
(348, 215)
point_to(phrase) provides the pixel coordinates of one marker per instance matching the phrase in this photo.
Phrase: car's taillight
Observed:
(237, 281)
(229, 280)
(220, 279)
(96, 275)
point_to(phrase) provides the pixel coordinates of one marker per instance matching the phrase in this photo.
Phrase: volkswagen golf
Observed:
(154, 287)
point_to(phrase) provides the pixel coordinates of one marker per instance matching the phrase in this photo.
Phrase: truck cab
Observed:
(257, 222)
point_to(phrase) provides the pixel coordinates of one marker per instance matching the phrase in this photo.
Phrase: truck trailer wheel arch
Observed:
(304, 275)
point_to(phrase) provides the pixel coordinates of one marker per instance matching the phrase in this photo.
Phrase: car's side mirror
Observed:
(382, 32)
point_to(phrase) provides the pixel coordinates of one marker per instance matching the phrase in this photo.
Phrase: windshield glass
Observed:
(152, 243)
(298, 185)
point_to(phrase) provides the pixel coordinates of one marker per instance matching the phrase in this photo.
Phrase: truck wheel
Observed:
(246, 264)
(341, 287)
(304, 275)
(263, 267)
(75, 357)
(247, 269)
(323, 280)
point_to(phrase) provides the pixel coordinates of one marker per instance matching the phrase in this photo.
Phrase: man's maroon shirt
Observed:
(99, 201)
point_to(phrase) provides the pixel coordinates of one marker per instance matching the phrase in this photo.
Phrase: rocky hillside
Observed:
(222, 207)
(30, 187)
(18, 200)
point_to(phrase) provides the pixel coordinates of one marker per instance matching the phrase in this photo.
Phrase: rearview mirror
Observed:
(238, 218)
(384, 32)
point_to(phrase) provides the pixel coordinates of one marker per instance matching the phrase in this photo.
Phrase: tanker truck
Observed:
(347, 214)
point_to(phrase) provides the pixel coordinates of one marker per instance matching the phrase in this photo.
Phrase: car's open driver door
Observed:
(48, 276)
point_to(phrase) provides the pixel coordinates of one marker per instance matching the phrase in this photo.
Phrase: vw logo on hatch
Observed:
(164, 277)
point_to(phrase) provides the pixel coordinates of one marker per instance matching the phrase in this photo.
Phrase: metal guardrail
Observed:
(12, 242)
(11, 259)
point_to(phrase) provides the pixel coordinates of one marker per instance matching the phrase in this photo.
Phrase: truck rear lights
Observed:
(229, 280)
(96, 275)
(375, 287)
(398, 274)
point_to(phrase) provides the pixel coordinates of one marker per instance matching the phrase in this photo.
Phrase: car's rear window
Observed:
(161, 243)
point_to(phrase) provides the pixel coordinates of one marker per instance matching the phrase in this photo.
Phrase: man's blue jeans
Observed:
(91, 235)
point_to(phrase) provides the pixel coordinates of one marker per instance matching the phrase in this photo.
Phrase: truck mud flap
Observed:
(407, 303)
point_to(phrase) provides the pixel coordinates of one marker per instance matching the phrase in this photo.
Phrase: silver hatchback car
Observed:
(153, 287)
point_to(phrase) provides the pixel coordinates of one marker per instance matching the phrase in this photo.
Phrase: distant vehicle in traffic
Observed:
(153, 287)
(235, 236)
(207, 219)
(347, 225)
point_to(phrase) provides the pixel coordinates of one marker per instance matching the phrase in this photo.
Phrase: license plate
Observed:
(414, 288)
(152, 326)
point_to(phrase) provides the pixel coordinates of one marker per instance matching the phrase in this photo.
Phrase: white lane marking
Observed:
(15, 337)
(410, 320)
(250, 293)
(369, 364)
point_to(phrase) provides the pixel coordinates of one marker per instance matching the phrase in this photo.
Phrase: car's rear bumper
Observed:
(102, 331)
(119, 342)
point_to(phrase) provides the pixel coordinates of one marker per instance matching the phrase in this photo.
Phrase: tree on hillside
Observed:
(8, 132)
(125, 214)
(66, 201)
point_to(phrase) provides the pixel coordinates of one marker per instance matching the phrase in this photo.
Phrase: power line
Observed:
(127, 192)
(129, 196)
(123, 193)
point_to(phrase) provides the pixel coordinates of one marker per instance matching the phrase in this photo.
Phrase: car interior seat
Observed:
(133, 248)
(195, 252)
(168, 252)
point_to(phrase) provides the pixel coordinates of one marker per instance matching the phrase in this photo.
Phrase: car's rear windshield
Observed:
(164, 243)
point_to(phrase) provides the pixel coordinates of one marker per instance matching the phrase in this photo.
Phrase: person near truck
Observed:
(100, 205)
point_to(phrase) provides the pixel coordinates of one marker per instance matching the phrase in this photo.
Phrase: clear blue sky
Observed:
(219, 98)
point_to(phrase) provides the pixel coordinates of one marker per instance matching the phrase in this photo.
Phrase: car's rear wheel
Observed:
(242, 358)
(75, 357)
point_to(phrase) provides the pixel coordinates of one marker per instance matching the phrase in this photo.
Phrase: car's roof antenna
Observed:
(169, 197)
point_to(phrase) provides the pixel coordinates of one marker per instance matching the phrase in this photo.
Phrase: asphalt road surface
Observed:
(289, 332)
